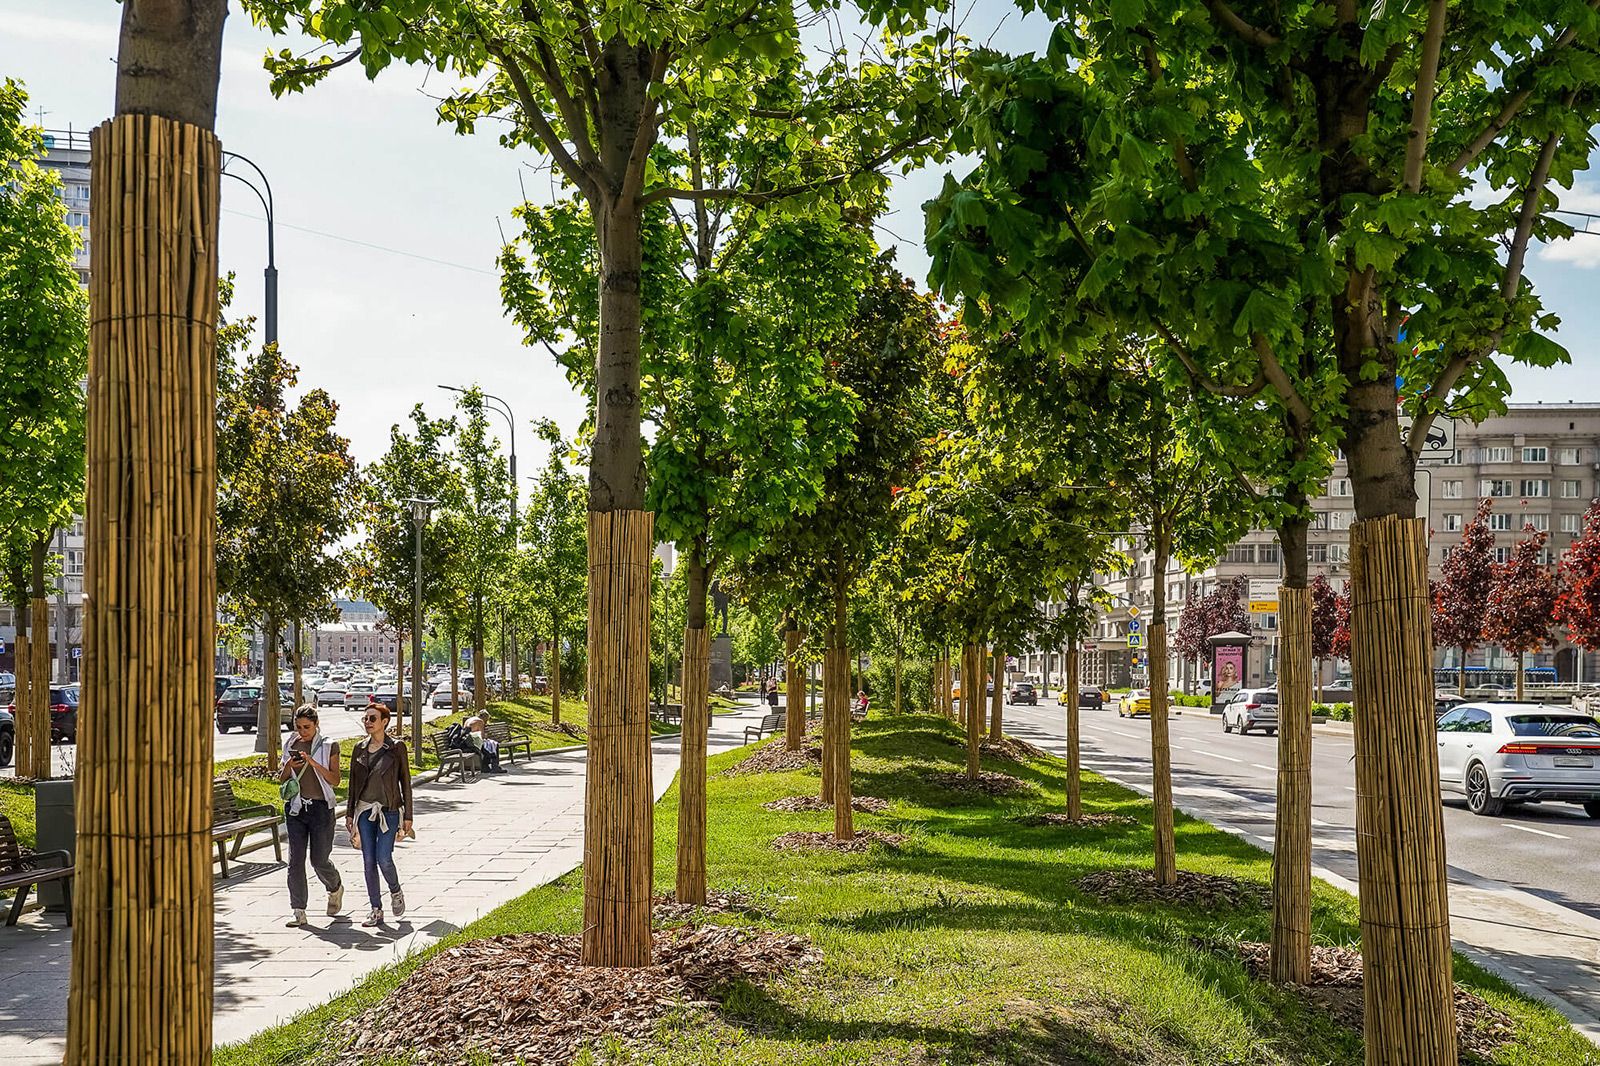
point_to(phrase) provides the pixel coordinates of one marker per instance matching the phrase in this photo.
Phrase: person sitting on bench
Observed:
(488, 749)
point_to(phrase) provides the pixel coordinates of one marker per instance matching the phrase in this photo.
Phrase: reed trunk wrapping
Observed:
(1166, 869)
(141, 986)
(619, 804)
(691, 885)
(1290, 957)
(830, 675)
(480, 681)
(1405, 918)
(1074, 765)
(997, 701)
(32, 707)
(794, 692)
(555, 677)
(972, 705)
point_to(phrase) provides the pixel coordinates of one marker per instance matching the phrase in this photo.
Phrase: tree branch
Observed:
(318, 69)
(645, 134)
(1241, 29)
(1199, 378)
(1422, 96)
(782, 192)
(1180, 150)
(1273, 370)
(535, 115)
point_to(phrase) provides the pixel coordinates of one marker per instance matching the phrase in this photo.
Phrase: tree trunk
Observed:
(267, 725)
(141, 979)
(299, 668)
(1405, 919)
(1074, 765)
(33, 709)
(1160, 742)
(1290, 954)
(516, 667)
(839, 710)
(899, 656)
(37, 603)
(997, 703)
(972, 704)
(691, 887)
(1461, 674)
(794, 690)
(830, 682)
(401, 691)
(39, 661)
(555, 676)
(455, 675)
(479, 680)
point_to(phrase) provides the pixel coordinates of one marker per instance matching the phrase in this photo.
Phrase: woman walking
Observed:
(380, 792)
(312, 761)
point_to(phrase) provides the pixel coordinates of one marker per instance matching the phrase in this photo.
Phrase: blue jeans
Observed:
(377, 853)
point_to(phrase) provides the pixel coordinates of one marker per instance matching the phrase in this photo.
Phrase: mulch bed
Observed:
(823, 841)
(565, 729)
(864, 804)
(246, 772)
(668, 909)
(1336, 987)
(1012, 748)
(526, 997)
(1191, 889)
(1088, 821)
(989, 782)
(774, 758)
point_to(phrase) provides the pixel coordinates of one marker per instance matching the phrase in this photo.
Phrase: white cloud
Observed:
(1583, 251)
(56, 30)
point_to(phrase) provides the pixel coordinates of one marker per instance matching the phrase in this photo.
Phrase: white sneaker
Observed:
(335, 901)
(397, 902)
(375, 918)
(299, 919)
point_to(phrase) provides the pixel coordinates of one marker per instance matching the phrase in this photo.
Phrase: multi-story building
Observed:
(1538, 464)
(354, 642)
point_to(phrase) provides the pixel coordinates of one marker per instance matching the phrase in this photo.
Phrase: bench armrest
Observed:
(242, 811)
(62, 858)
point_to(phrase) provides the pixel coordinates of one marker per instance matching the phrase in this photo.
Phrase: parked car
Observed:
(1251, 708)
(1024, 692)
(358, 694)
(1134, 704)
(237, 707)
(1510, 753)
(8, 737)
(331, 695)
(1444, 702)
(221, 683)
(63, 713)
(442, 698)
(391, 698)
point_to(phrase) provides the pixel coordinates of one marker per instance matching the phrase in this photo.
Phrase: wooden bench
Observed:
(21, 872)
(232, 821)
(670, 713)
(466, 763)
(770, 723)
(500, 733)
(858, 714)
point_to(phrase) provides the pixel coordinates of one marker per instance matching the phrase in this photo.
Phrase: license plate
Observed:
(1574, 760)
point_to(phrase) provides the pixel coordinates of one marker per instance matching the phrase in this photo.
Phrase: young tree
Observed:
(144, 780)
(1461, 597)
(43, 355)
(551, 565)
(1578, 598)
(1522, 601)
(1324, 623)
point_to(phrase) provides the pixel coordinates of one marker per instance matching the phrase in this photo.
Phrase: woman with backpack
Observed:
(306, 782)
(380, 793)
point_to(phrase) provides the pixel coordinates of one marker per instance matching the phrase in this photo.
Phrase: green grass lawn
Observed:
(971, 942)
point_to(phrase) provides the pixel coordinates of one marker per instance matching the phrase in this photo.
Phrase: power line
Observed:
(368, 244)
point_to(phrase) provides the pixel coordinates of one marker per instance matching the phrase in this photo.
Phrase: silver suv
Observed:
(1251, 708)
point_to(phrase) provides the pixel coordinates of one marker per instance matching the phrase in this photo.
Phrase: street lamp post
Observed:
(419, 517)
(270, 275)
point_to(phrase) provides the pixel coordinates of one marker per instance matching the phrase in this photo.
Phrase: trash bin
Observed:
(56, 830)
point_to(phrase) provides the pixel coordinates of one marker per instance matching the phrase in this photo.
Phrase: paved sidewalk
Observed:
(478, 845)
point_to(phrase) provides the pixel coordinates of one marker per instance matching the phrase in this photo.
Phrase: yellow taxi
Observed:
(1134, 703)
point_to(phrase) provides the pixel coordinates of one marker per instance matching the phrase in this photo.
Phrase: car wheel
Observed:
(8, 743)
(1479, 801)
(1272, 732)
(1227, 726)
(1592, 808)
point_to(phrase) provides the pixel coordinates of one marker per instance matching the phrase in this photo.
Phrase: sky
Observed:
(388, 224)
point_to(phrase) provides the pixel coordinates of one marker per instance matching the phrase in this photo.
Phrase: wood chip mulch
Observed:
(989, 782)
(246, 772)
(565, 729)
(1012, 748)
(823, 841)
(526, 997)
(775, 759)
(1336, 987)
(1088, 821)
(668, 909)
(1191, 889)
(864, 804)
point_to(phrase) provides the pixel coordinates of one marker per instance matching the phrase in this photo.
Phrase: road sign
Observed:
(1137, 660)
(1134, 625)
(1135, 640)
(1133, 610)
(2, 647)
(1090, 645)
(77, 653)
(1441, 442)
(1263, 595)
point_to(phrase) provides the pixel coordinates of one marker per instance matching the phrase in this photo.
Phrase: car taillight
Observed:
(1523, 748)
(1251, 706)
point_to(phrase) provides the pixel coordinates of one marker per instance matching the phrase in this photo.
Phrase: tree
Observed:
(143, 793)
(1324, 623)
(1578, 599)
(43, 356)
(282, 508)
(1522, 601)
(551, 566)
(1339, 643)
(1189, 640)
(1461, 597)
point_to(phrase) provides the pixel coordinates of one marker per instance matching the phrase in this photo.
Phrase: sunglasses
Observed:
(371, 718)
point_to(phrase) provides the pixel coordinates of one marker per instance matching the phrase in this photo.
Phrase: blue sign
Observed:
(77, 653)
(1134, 625)
(2, 647)
(1135, 640)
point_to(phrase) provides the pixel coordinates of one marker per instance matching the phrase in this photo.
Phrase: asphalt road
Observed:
(1551, 850)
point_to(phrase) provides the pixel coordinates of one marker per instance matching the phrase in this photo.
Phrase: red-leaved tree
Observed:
(1522, 602)
(1339, 643)
(1462, 594)
(1324, 621)
(1189, 641)
(1227, 612)
(1578, 601)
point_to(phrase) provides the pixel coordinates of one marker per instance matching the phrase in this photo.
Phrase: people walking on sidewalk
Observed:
(378, 809)
(311, 763)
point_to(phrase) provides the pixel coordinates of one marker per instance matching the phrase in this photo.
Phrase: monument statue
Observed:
(719, 607)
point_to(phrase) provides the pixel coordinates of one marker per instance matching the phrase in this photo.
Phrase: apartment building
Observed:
(1538, 463)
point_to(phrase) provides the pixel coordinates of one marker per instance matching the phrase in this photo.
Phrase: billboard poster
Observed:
(1227, 670)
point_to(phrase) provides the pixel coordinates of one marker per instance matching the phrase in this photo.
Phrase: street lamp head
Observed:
(420, 508)
(452, 388)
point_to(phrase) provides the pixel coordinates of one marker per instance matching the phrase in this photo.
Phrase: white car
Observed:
(358, 694)
(330, 696)
(441, 698)
(1509, 753)
(1251, 708)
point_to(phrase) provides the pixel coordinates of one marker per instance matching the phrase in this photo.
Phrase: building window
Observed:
(1535, 486)
(1267, 621)
(1452, 523)
(1319, 520)
(1450, 490)
(1540, 522)
(1500, 522)
(1569, 456)
(1571, 523)
(1240, 553)
(1449, 551)
(1316, 553)
(1497, 487)
(1340, 519)
(1502, 555)
(1268, 553)
(1340, 486)
(1497, 455)
(1570, 488)
(1338, 553)
(74, 564)
(1536, 455)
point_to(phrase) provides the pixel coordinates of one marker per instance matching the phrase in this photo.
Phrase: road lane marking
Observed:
(1268, 769)
(1349, 788)
(1530, 829)
(1214, 755)
(1130, 736)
